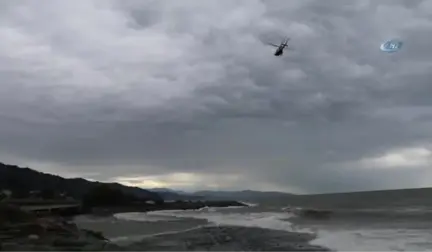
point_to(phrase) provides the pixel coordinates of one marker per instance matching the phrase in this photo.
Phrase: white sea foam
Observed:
(337, 239)
(249, 204)
(270, 220)
(375, 240)
(138, 216)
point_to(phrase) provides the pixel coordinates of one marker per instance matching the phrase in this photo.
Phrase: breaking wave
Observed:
(270, 220)
(329, 234)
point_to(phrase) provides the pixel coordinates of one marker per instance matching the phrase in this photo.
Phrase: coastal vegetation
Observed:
(24, 186)
(29, 183)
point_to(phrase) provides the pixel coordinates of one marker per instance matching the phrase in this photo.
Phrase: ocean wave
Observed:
(269, 220)
(248, 204)
(340, 238)
(375, 240)
(340, 235)
(308, 212)
(381, 213)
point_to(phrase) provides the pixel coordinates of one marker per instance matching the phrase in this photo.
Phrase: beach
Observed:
(187, 235)
(342, 222)
(131, 227)
(365, 222)
(229, 238)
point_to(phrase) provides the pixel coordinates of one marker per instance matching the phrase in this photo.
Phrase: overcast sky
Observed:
(186, 94)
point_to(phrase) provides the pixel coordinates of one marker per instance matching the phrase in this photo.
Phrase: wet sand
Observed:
(191, 234)
(128, 231)
(228, 238)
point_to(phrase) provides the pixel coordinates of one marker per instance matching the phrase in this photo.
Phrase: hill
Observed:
(23, 180)
(169, 194)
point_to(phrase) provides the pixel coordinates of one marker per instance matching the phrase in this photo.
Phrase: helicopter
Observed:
(281, 47)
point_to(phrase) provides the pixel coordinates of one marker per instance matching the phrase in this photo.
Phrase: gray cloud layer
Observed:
(187, 94)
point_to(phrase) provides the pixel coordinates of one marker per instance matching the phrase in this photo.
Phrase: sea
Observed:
(373, 221)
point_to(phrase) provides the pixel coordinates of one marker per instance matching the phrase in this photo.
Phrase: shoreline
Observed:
(227, 238)
(111, 210)
(207, 236)
(125, 230)
(23, 230)
(104, 220)
(28, 232)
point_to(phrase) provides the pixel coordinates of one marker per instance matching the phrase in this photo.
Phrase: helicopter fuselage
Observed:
(280, 49)
(278, 52)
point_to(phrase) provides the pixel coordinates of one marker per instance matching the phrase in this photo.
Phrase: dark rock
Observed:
(95, 234)
(13, 214)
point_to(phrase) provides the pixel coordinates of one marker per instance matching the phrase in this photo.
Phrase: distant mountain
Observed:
(170, 194)
(22, 180)
(164, 190)
(246, 195)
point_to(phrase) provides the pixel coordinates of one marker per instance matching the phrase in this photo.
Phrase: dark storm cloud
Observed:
(188, 94)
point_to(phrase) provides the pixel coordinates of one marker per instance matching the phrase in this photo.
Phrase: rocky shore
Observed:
(22, 231)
